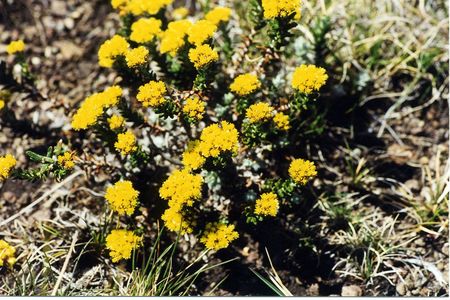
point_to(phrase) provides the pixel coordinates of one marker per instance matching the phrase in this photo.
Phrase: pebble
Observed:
(351, 291)
(401, 289)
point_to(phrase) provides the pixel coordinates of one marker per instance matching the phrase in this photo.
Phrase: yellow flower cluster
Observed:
(66, 160)
(259, 112)
(15, 47)
(281, 8)
(202, 56)
(281, 121)
(175, 221)
(122, 197)
(121, 244)
(218, 14)
(93, 107)
(139, 7)
(2, 104)
(216, 139)
(180, 13)
(192, 159)
(110, 49)
(308, 78)
(194, 108)
(7, 162)
(302, 170)
(126, 143)
(201, 31)
(152, 94)
(116, 122)
(181, 188)
(218, 236)
(145, 30)
(267, 205)
(137, 56)
(7, 254)
(245, 84)
(173, 38)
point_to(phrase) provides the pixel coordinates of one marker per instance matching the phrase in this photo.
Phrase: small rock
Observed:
(351, 291)
(401, 288)
(313, 290)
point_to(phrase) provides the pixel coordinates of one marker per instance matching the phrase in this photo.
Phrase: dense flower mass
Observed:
(152, 94)
(267, 205)
(93, 107)
(173, 38)
(218, 138)
(218, 236)
(7, 254)
(281, 8)
(218, 14)
(126, 143)
(139, 7)
(66, 160)
(202, 56)
(122, 197)
(192, 159)
(281, 121)
(2, 104)
(245, 84)
(308, 78)
(137, 56)
(7, 162)
(15, 47)
(121, 244)
(116, 122)
(111, 49)
(201, 31)
(194, 108)
(181, 188)
(302, 170)
(145, 30)
(259, 112)
(175, 221)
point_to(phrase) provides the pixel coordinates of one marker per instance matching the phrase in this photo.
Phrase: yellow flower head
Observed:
(175, 221)
(111, 49)
(202, 56)
(152, 94)
(282, 121)
(66, 160)
(308, 78)
(7, 162)
(245, 84)
(93, 107)
(116, 122)
(7, 254)
(267, 205)
(145, 29)
(181, 188)
(194, 108)
(218, 14)
(281, 8)
(259, 112)
(118, 3)
(126, 143)
(121, 244)
(15, 47)
(302, 170)
(201, 31)
(192, 159)
(137, 56)
(139, 7)
(2, 104)
(218, 236)
(122, 197)
(180, 13)
(218, 138)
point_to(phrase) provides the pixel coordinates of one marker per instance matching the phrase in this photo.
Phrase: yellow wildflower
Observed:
(118, 3)
(122, 197)
(218, 14)
(116, 122)
(267, 205)
(145, 29)
(175, 221)
(202, 56)
(302, 170)
(218, 138)
(2, 104)
(282, 121)
(259, 112)
(201, 31)
(173, 38)
(126, 143)
(192, 159)
(66, 160)
(181, 188)
(180, 13)
(152, 94)
(218, 236)
(245, 84)
(7, 162)
(139, 7)
(281, 8)
(137, 56)
(111, 49)
(121, 243)
(7, 254)
(15, 47)
(308, 78)
(194, 108)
